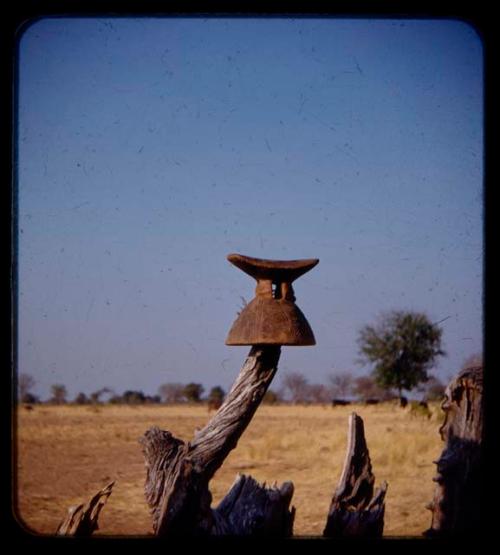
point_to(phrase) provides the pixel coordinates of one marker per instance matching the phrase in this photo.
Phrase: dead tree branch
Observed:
(81, 520)
(178, 472)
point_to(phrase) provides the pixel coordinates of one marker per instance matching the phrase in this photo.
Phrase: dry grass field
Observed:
(66, 454)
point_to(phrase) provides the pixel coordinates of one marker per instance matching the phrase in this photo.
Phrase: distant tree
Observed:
(193, 392)
(365, 387)
(172, 393)
(96, 396)
(152, 399)
(26, 384)
(216, 394)
(271, 397)
(341, 384)
(81, 399)
(30, 399)
(296, 387)
(318, 393)
(132, 397)
(59, 394)
(402, 346)
(215, 398)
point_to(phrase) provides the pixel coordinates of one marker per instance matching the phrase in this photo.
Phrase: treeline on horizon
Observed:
(295, 389)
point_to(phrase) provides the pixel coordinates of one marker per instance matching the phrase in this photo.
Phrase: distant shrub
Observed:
(59, 394)
(271, 397)
(134, 397)
(81, 399)
(193, 392)
(296, 387)
(365, 388)
(131, 397)
(172, 392)
(216, 395)
(25, 384)
(341, 384)
(30, 399)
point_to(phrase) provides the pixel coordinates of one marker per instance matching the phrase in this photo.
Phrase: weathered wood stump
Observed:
(355, 510)
(81, 520)
(178, 472)
(456, 507)
(253, 509)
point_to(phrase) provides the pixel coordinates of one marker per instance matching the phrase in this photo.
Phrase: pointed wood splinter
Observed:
(355, 509)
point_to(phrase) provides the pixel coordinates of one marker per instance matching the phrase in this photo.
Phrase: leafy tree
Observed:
(59, 394)
(193, 392)
(296, 386)
(341, 384)
(216, 394)
(132, 397)
(403, 346)
(172, 392)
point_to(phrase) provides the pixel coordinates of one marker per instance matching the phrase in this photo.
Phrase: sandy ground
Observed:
(66, 454)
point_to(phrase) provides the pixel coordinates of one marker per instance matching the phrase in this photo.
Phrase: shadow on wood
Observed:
(253, 509)
(355, 510)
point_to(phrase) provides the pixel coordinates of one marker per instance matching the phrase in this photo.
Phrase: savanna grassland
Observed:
(67, 453)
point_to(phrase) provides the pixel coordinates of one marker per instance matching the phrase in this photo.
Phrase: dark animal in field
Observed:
(340, 402)
(28, 407)
(372, 401)
(403, 401)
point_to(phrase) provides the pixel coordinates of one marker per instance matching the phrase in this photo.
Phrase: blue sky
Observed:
(150, 148)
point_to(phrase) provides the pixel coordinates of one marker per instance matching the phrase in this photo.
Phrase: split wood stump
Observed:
(178, 472)
(456, 507)
(355, 509)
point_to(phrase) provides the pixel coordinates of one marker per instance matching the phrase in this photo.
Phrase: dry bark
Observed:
(355, 510)
(81, 520)
(178, 472)
(456, 506)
